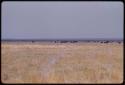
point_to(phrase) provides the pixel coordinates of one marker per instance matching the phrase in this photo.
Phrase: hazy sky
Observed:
(62, 20)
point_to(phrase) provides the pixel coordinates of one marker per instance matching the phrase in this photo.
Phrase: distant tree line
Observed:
(75, 41)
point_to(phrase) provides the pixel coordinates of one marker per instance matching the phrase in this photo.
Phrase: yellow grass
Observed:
(62, 63)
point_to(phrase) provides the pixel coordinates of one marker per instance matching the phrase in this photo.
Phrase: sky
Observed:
(62, 20)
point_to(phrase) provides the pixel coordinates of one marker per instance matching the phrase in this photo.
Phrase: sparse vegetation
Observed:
(62, 63)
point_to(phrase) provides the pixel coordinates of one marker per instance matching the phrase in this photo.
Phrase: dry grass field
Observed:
(62, 62)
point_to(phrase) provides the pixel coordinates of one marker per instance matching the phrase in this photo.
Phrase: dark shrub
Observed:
(106, 41)
(63, 41)
(119, 42)
(32, 41)
(73, 41)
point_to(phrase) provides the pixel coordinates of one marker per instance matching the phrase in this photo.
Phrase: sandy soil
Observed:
(62, 63)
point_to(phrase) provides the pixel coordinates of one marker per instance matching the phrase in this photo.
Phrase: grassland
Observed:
(62, 63)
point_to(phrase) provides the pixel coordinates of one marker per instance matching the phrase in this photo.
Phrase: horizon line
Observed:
(104, 39)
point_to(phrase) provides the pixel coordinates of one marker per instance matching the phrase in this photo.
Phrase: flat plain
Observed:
(27, 62)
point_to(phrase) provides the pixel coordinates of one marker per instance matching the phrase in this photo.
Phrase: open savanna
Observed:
(26, 62)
